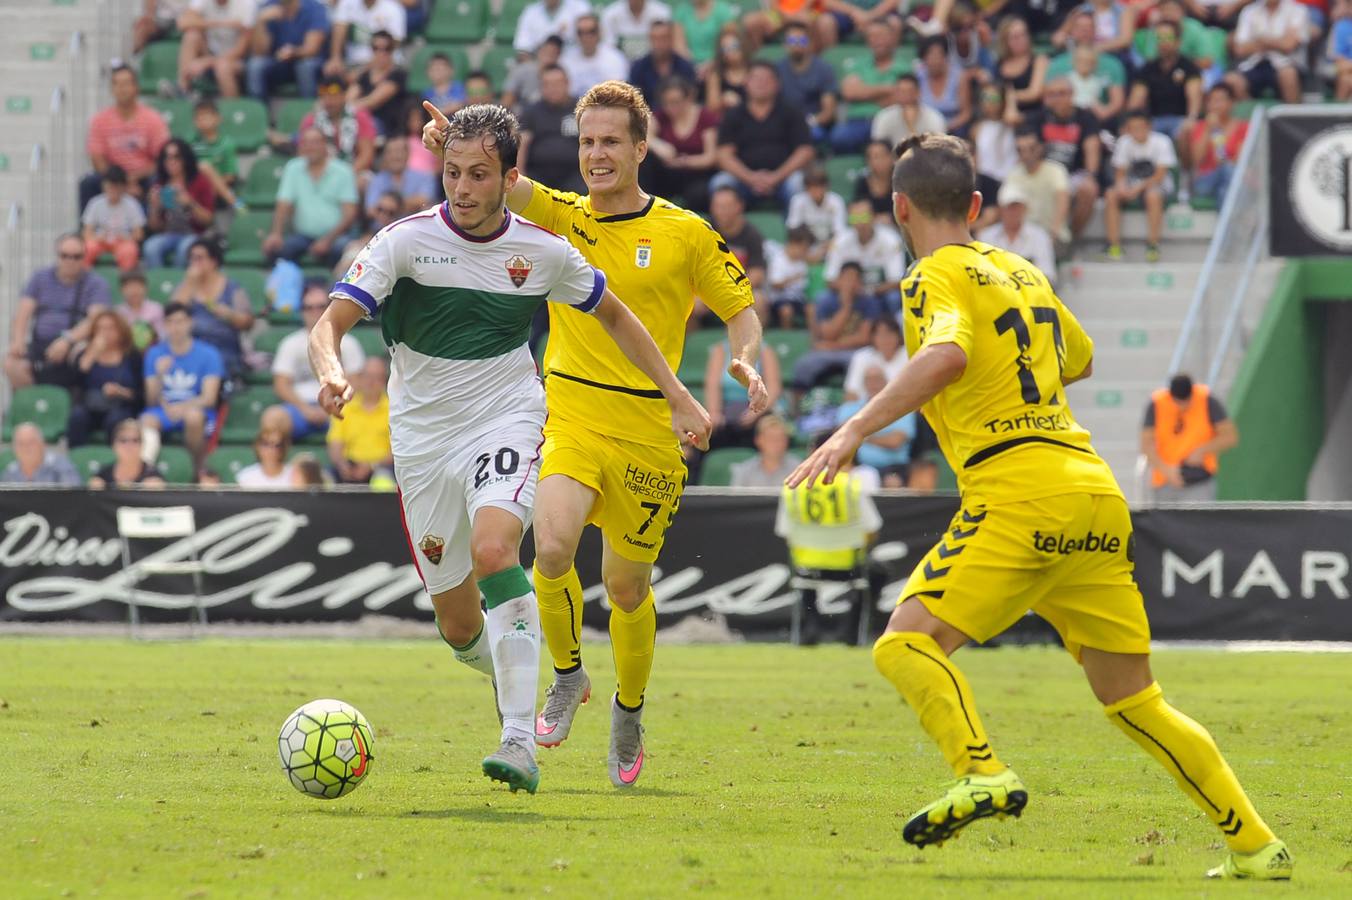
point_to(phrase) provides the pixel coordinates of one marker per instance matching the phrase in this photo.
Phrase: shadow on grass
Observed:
(638, 791)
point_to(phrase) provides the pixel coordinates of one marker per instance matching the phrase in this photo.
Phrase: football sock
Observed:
(1188, 752)
(632, 638)
(514, 636)
(560, 602)
(475, 654)
(938, 692)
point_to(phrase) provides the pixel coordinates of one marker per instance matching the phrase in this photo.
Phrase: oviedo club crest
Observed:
(643, 255)
(432, 547)
(518, 269)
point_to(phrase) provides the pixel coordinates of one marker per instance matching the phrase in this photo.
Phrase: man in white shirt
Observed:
(907, 115)
(354, 21)
(1016, 234)
(886, 351)
(878, 252)
(545, 17)
(1044, 183)
(625, 24)
(1269, 44)
(216, 36)
(293, 381)
(590, 62)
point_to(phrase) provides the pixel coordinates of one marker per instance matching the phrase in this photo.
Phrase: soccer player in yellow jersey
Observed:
(610, 458)
(1042, 526)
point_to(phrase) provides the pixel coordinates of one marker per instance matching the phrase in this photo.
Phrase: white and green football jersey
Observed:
(456, 311)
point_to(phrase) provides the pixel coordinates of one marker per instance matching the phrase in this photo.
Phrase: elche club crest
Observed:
(518, 269)
(1320, 187)
(432, 548)
(643, 255)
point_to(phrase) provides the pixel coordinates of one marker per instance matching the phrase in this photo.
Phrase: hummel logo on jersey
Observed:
(518, 269)
(1090, 543)
(432, 547)
(643, 255)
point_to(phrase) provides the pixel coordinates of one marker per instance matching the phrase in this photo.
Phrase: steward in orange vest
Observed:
(1185, 429)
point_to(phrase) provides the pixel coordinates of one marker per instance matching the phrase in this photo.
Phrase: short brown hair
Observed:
(619, 95)
(937, 173)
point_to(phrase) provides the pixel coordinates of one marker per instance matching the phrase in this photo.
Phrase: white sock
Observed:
(150, 445)
(514, 636)
(475, 654)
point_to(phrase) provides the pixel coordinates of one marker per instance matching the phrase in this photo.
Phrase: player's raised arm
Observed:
(744, 336)
(334, 390)
(689, 419)
(434, 139)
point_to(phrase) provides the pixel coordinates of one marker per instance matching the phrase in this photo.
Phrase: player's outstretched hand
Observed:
(838, 449)
(334, 395)
(434, 132)
(691, 422)
(757, 395)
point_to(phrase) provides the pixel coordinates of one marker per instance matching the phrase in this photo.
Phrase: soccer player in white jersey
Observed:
(456, 287)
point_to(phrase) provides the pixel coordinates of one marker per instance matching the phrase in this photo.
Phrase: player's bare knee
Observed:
(553, 555)
(492, 554)
(626, 591)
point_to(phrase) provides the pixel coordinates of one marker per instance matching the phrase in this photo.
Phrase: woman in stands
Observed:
(127, 468)
(110, 385)
(1018, 68)
(379, 86)
(221, 310)
(725, 82)
(181, 206)
(874, 184)
(272, 471)
(682, 146)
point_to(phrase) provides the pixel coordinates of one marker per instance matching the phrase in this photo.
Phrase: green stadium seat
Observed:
(244, 240)
(843, 170)
(260, 185)
(269, 340)
(717, 468)
(417, 68)
(176, 466)
(159, 62)
(254, 282)
(110, 274)
(371, 339)
(290, 112)
(772, 53)
(91, 458)
(246, 121)
(770, 223)
(505, 32)
(160, 283)
(45, 405)
(6, 457)
(498, 61)
(696, 355)
(788, 344)
(177, 115)
(465, 21)
(847, 59)
(246, 411)
(226, 461)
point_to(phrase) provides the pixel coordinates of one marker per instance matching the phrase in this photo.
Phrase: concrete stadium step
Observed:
(1180, 223)
(1147, 277)
(1131, 334)
(1147, 304)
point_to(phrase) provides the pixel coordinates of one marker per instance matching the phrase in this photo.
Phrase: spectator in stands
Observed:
(349, 130)
(786, 275)
(1142, 162)
(128, 134)
(110, 380)
(1015, 233)
(907, 115)
(842, 19)
(272, 472)
(969, 40)
(992, 139)
(1214, 145)
(307, 472)
(1169, 87)
(1093, 72)
(34, 463)
(479, 88)
(182, 206)
(157, 20)
(1340, 50)
(868, 87)
(444, 90)
(114, 223)
(888, 452)
(1184, 432)
(874, 184)
(763, 145)
(127, 469)
(183, 380)
(728, 211)
(839, 325)
(420, 159)
(682, 147)
(660, 64)
(522, 85)
(289, 43)
(1019, 69)
(698, 25)
(886, 351)
(379, 86)
(819, 209)
(591, 61)
(1269, 44)
(208, 477)
(1112, 25)
(628, 23)
(1070, 136)
(299, 414)
(316, 204)
(220, 309)
(355, 26)
(773, 462)
(1193, 41)
(943, 87)
(417, 190)
(548, 151)
(215, 151)
(543, 18)
(1223, 14)
(725, 399)
(725, 78)
(1045, 183)
(880, 255)
(359, 442)
(216, 38)
(388, 208)
(55, 314)
(144, 316)
(808, 81)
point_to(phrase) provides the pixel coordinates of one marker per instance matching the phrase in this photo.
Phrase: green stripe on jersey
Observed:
(457, 322)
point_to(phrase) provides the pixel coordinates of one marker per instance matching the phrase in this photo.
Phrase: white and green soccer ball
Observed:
(326, 748)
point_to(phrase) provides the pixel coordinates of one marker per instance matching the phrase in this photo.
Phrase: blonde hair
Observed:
(618, 95)
(1007, 24)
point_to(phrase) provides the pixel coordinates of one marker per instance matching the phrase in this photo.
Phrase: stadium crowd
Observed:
(256, 146)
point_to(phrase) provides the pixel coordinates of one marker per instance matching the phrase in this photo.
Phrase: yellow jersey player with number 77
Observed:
(1043, 524)
(609, 456)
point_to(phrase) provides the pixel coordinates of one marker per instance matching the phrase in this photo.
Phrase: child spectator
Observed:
(786, 272)
(1142, 161)
(114, 222)
(145, 316)
(216, 152)
(420, 159)
(445, 92)
(819, 209)
(1214, 145)
(182, 387)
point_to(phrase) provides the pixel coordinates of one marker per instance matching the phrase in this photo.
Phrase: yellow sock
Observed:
(560, 601)
(1191, 756)
(632, 637)
(941, 697)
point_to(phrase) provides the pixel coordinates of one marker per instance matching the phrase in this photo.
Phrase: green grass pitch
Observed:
(151, 770)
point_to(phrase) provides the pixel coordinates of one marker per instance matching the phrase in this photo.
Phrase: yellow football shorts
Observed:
(638, 486)
(1069, 558)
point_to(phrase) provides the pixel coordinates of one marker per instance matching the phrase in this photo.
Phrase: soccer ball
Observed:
(325, 748)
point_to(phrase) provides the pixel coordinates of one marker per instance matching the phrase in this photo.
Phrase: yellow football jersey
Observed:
(656, 261)
(1004, 426)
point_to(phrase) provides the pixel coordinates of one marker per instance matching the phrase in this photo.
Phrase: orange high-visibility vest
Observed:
(1178, 433)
